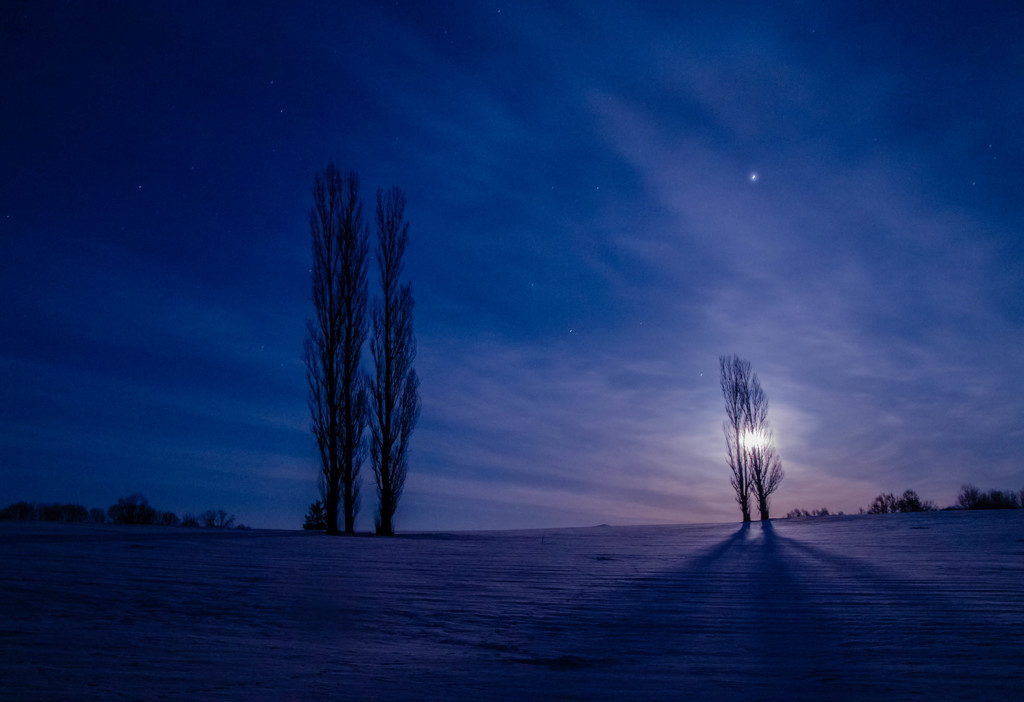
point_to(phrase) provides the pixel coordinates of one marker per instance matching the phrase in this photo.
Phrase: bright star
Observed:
(753, 177)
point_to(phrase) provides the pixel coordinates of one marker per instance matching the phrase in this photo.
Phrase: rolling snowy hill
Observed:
(915, 605)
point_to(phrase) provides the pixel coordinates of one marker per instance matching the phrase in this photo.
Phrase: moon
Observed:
(753, 440)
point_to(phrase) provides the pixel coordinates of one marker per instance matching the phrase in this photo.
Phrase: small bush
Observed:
(910, 502)
(316, 519)
(823, 512)
(886, 503)
(189, 520)
(217, 519)
(167, 519)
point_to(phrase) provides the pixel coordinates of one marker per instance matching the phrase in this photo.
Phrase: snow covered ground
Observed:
(900, 606)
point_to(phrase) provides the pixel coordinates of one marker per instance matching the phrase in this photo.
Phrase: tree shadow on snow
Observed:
(714, 625)
(762, 615)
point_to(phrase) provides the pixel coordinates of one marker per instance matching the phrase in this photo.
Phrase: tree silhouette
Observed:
(335, 336)
(754, 464)
(971, 497)
(888, 503)
(735, 374)
(168, 519)
(797, 513)
(48, 512)
(353, 289)
(217, 519)
(315, 519)
(763, 460)
(21, 511)
(134, 509)
(394, 396)
(910, 502)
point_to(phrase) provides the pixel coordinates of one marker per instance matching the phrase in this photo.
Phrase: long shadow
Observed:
(916, 635)
(797, 648)
(707, 558)
(713, 626)
(763, 616)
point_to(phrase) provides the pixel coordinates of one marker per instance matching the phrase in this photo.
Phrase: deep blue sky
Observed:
(587, 237)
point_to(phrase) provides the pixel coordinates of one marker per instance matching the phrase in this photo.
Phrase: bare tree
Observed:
(335, 336)
(134, 509)
(754, 464)
(735, 382)
(971, 497)
(217, 519)
(762, 458)
(394, 396)
(765, 473)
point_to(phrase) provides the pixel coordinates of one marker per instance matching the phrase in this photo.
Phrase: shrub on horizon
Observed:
(823, 512)
(888, 503)
(217, 519)
(316, 519)
(134, 509)
(45, 512)
(167, 519)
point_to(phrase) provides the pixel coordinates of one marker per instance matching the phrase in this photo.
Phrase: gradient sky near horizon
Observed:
(603, 198)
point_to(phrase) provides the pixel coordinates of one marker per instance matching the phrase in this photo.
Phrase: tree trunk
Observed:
(350, 515)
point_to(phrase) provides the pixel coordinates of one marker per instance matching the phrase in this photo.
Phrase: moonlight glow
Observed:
(754, 440)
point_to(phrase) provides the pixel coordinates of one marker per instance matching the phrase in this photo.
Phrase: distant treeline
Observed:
(823, 512)
(134, 509)
(888, 503)
(970, 497)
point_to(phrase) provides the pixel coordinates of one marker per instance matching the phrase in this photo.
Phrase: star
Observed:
(753, 177)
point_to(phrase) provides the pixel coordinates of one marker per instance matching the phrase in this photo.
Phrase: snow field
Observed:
(914, 605)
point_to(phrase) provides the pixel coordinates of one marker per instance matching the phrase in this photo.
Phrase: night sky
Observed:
(603, 198)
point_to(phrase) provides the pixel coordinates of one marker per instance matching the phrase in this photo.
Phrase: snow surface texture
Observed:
(917, 605)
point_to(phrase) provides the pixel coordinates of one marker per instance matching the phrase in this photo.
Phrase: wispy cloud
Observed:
(587, 238)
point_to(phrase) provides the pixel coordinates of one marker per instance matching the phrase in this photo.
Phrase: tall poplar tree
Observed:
(335, 337)
(394, 395)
